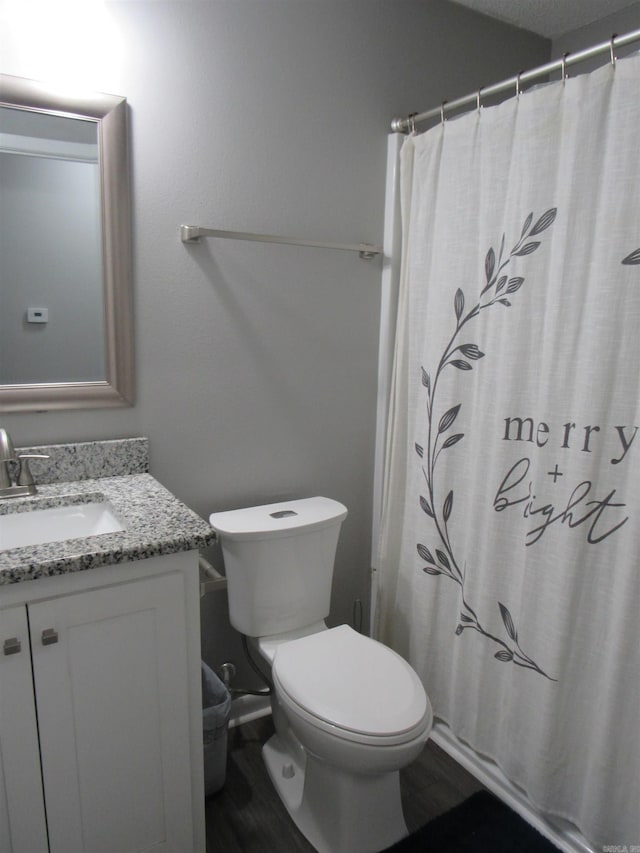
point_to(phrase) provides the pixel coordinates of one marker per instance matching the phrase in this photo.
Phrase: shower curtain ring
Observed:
(564, 66)
(479, 105)
(518, 89)
(611, 49)
(442, 118)
(412, 122)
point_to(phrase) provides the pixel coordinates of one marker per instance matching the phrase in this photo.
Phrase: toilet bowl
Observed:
(350, 692)
(349, 713)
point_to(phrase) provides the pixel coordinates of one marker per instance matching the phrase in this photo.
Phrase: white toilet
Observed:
(348, 711)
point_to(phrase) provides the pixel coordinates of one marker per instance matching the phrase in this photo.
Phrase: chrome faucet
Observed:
(14, 485)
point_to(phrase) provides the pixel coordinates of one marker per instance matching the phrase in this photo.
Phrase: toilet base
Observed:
(337, 811)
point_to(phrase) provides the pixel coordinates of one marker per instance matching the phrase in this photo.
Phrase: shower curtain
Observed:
(510, 535)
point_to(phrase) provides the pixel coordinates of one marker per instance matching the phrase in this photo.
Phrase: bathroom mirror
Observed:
(66, 321)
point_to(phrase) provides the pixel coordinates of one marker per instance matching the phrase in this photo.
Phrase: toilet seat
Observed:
(352, 687)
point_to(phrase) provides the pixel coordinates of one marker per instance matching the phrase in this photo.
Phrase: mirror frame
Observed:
(110, 114)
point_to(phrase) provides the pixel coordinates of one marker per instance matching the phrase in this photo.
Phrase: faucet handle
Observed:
(7, 453)
(7, 456)
(25, 477)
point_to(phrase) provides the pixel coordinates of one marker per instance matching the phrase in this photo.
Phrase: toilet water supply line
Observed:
(227, 673)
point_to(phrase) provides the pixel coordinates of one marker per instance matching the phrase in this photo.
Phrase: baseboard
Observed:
(561, 833)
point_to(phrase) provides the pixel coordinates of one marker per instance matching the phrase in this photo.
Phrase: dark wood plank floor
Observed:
(246, 816)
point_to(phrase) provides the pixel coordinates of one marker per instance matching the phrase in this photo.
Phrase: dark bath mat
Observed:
(482, 824)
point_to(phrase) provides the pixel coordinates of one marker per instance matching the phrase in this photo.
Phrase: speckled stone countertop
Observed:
(155, 521)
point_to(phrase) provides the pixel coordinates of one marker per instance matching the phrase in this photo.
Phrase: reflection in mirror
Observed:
(65, 276)
(51, 315)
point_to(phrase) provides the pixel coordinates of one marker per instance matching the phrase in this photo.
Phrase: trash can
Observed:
(216, 708)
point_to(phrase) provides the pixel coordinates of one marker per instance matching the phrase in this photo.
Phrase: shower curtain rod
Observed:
(193, 233)
(405, 125)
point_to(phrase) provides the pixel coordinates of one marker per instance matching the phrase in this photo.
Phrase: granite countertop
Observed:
(156, 523)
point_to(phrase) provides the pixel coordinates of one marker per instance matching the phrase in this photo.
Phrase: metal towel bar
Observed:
(193, 233)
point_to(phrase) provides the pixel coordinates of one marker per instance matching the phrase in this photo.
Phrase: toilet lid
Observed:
(352, 682)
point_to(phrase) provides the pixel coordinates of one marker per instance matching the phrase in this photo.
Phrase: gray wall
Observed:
(580, 39)
(256, 365)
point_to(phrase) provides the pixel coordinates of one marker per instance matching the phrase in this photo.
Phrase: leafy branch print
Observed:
(633, 258)
(498, 288)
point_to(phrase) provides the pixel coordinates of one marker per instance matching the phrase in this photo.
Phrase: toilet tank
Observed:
(279, 563)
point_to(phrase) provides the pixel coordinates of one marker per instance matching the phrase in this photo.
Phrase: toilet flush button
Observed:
(288, 771)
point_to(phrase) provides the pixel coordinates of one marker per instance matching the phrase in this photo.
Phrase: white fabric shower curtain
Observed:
(510, 538)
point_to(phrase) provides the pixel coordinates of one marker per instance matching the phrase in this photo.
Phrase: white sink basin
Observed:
(36, 526)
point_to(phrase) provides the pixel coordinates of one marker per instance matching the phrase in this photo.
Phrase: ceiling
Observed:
(549, 18)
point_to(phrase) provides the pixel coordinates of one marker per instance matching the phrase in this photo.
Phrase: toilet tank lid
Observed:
(277, 519)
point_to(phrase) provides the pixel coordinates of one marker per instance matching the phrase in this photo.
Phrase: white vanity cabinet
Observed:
(100, 711)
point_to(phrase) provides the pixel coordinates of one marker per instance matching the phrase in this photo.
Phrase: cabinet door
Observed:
(22, 822)
(111, 691)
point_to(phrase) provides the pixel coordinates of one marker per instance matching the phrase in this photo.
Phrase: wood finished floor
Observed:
(246, 816)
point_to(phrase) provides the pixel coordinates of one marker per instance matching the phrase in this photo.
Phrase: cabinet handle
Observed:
(49, 637)
(12, 646)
